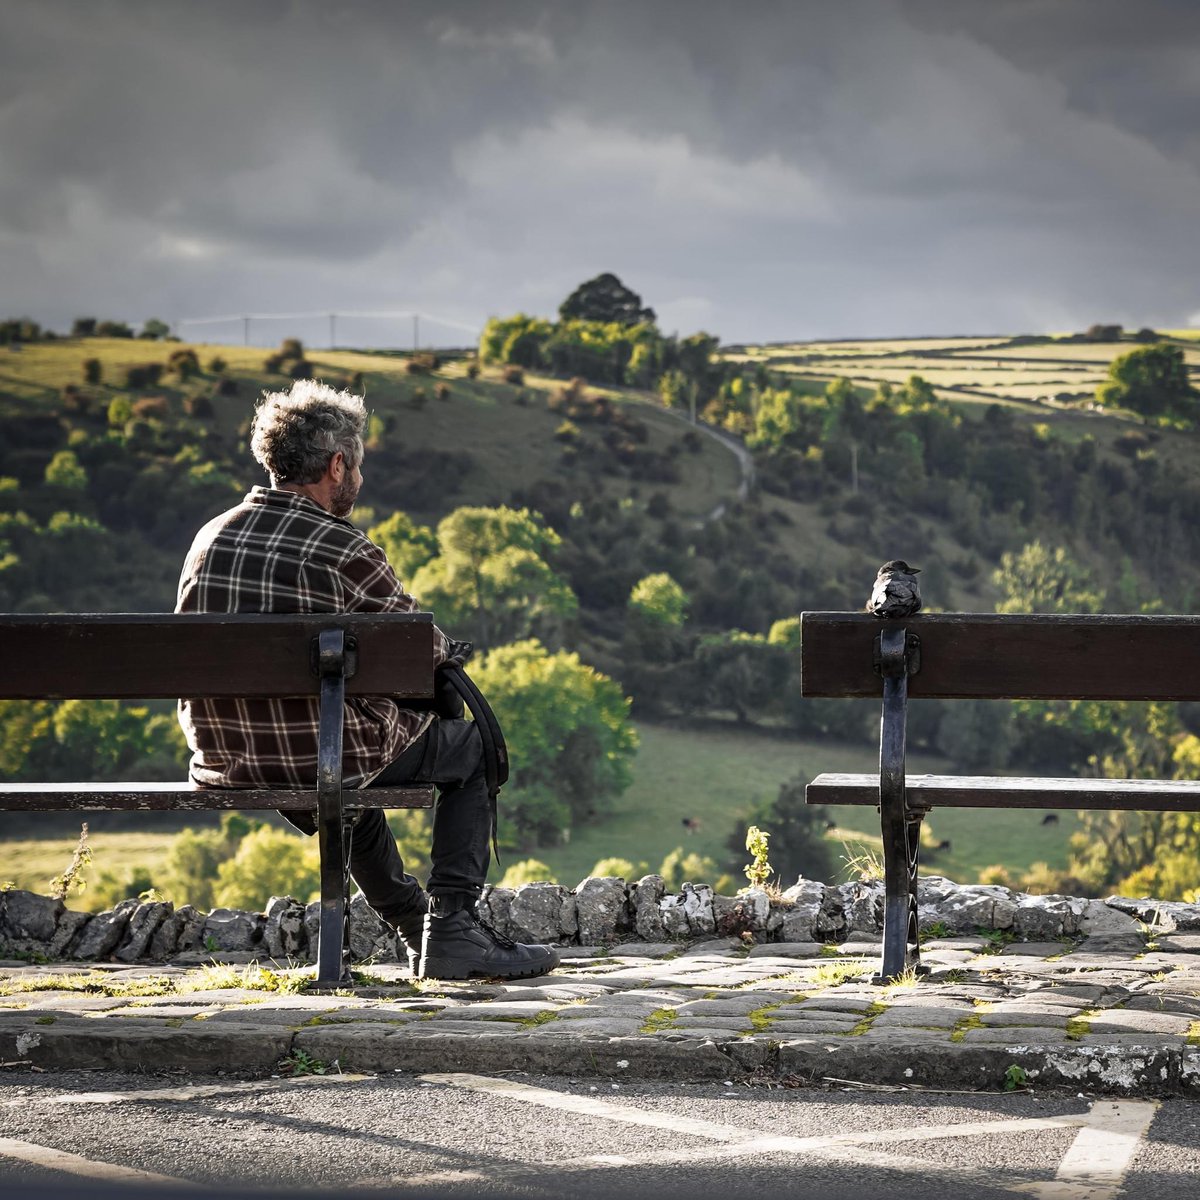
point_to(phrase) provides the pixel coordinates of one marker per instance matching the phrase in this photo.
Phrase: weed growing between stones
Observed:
(33, 957)
(761, 1019)
(44, 1020)
(660, 1019)
(1193, 1034)
(963, 1025)
(866, 1020)
(300, 1062)
(996, 939)
(907, 981)
(834, 974)
(543, 1018)
(213, 977)
(758, 870)
(939, 929)
(1015, 1078)
(70, 881)
(1078, 1026)
(866, 866)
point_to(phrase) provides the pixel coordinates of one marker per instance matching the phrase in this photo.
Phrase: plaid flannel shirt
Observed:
(278, 552)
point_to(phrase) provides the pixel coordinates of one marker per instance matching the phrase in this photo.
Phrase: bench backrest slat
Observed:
(166, 655)
(1010, 656)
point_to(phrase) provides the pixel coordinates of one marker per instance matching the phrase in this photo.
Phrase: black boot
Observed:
(458, 945)
(410, 931)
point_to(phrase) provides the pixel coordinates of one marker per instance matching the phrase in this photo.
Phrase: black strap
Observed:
(495, 750)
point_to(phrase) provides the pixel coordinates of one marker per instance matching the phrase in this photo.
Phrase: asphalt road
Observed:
(93, 1135)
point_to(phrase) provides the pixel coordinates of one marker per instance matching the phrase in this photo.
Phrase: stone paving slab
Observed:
(1107, 1017)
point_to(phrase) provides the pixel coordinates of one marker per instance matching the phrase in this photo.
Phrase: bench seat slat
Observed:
(174, 797)
(1009, 656)
(986, 791)
(138, 656)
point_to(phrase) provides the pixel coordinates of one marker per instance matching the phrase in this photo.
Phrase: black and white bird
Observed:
(896, 592)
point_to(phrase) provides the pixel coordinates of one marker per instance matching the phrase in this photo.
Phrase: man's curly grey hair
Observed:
(296, 433)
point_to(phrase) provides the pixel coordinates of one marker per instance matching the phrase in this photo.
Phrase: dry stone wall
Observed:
(600, 911)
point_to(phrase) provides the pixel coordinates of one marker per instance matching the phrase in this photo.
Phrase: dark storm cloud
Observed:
(768, 170)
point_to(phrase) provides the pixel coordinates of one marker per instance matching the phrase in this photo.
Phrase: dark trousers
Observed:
(450, 756)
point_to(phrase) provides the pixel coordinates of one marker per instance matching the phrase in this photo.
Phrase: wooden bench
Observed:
(950, 656)
(165, 656)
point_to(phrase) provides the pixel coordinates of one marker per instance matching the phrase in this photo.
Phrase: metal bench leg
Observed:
(901, 827)
(333, 965)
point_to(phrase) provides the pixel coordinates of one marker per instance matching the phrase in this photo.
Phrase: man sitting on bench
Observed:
(289, 548)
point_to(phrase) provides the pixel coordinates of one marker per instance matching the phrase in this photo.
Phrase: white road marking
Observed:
(1103, 1151)
(190, 1092)
(1092, 1169)
(74, 1164)
(590, 1106)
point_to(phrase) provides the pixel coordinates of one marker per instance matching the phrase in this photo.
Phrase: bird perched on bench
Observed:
(896, 592)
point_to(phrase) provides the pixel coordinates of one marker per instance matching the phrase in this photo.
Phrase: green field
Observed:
(715, 776)
(969, 370)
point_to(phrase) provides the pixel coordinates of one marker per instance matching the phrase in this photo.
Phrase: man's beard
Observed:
(343, 497)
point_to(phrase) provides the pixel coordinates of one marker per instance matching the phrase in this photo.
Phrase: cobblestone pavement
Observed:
(1106, 1015)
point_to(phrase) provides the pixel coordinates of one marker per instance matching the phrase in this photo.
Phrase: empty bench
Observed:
(165, 656)
(952, 656)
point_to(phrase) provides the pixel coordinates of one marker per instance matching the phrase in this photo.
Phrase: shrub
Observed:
(473, 369)
(64, 470)
(422, 364)
(291, 348)
(113, 329)
(530, 870)
(227, 386)
(92, 370)
(198, 406)
(216, 364)
(1131, 443)
(659, 506)
(442, 391)
(83, 327)
(120, 411)
(298, 368)
(617, 868)
(268, 862)
(76, 401)
(273, 363)
(514, 375)
(154, 329)
(144, 376)
(183, 362)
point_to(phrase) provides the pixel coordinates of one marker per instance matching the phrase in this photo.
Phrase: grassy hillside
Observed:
(506, 432)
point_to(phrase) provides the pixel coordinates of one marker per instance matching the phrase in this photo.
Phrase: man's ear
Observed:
(337, 466)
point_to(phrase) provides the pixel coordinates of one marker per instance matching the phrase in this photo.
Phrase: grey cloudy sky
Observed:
(766, 170)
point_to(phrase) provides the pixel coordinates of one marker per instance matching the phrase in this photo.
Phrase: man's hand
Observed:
(459, 652)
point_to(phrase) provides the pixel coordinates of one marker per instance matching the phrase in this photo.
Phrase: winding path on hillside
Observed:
(733, 444)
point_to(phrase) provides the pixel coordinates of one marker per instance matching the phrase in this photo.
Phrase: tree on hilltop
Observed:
(1151, 380)
(606, 299)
